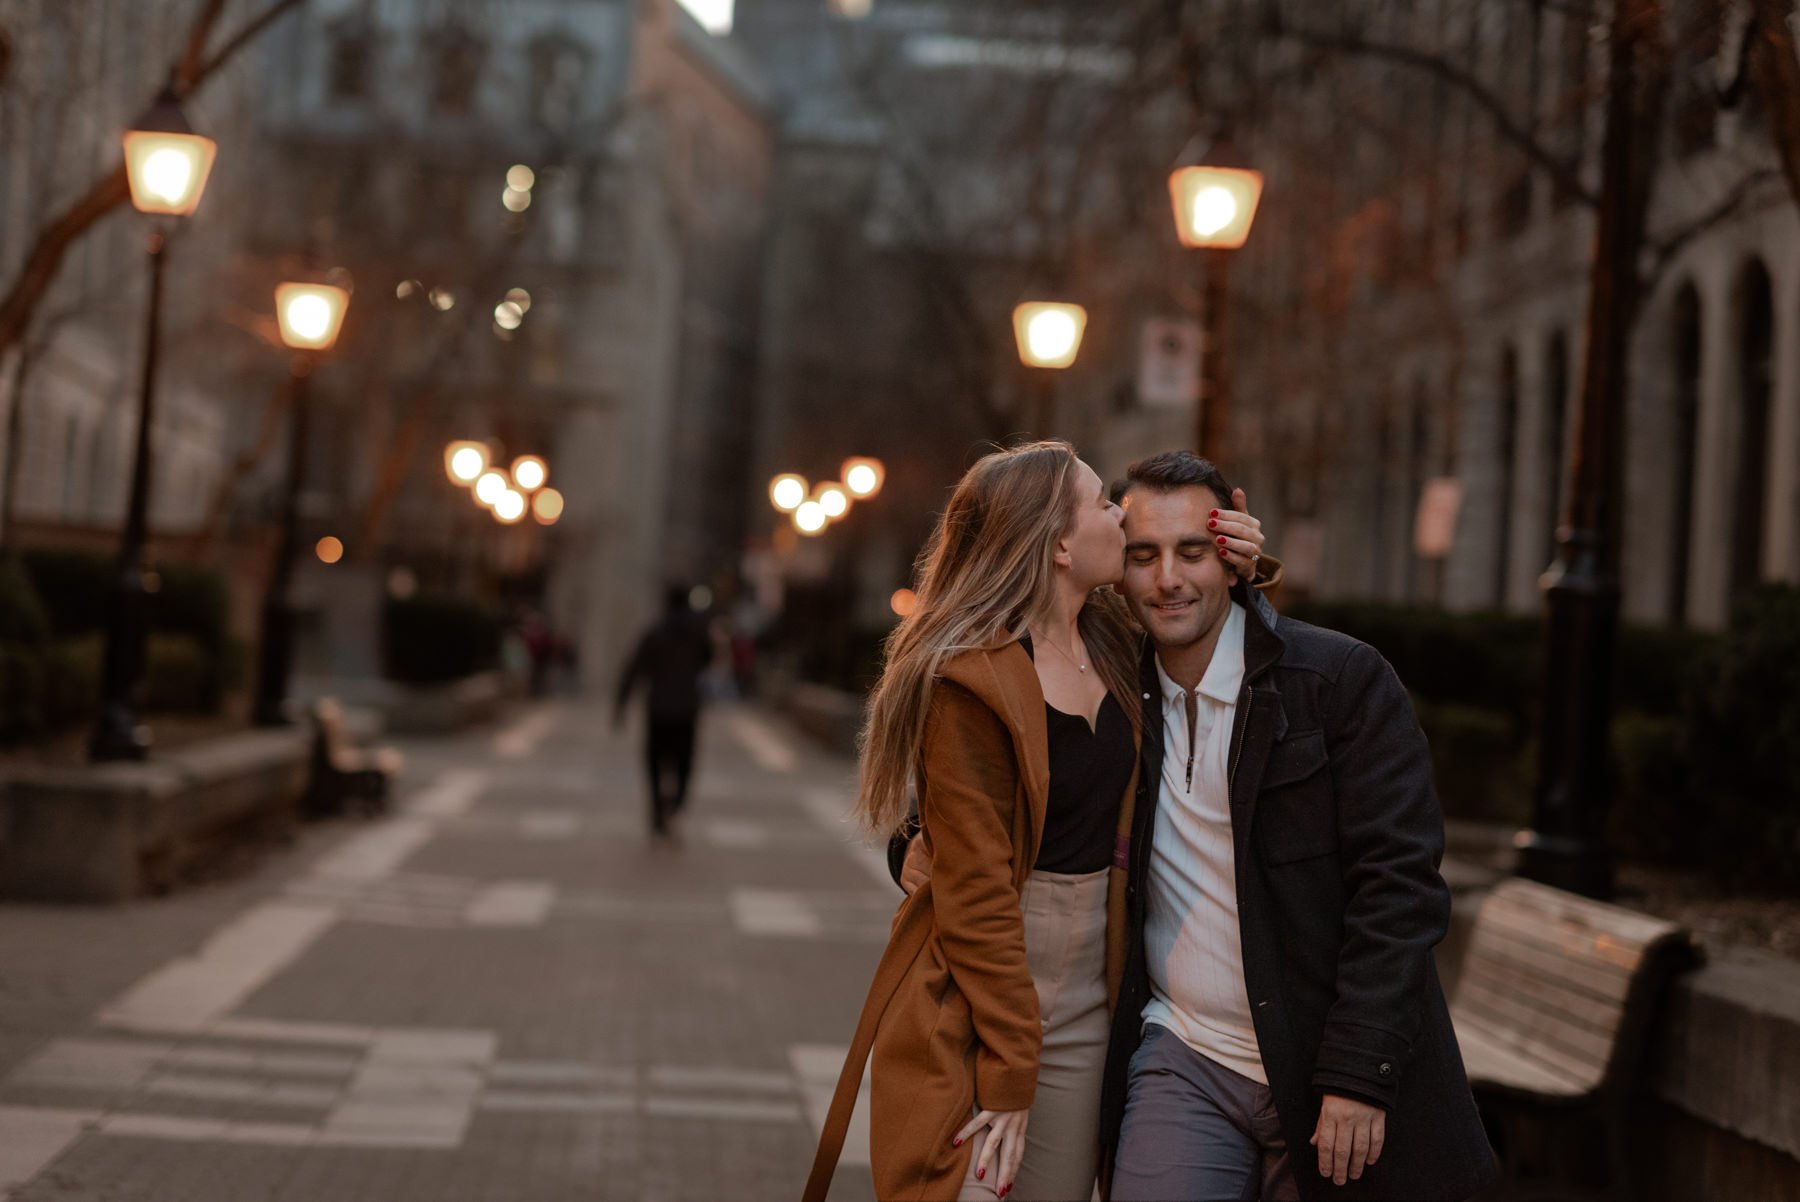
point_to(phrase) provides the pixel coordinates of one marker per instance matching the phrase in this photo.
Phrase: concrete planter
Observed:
(111, 832)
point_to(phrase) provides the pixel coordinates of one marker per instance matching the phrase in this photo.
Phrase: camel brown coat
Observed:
(952, 1015)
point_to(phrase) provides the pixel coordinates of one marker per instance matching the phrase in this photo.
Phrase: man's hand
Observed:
(1349, 1136)
(915, 870)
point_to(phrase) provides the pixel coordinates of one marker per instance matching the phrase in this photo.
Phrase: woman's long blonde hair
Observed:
(987, 573)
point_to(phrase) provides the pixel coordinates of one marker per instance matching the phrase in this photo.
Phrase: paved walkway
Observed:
(503, 991)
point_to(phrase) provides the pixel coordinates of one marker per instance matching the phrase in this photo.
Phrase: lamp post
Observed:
(310, 316)
(1566, 845)
(1049, 337)
(167, 164)
(1215, 203)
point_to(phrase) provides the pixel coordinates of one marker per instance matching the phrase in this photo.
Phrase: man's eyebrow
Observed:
(1186, 540)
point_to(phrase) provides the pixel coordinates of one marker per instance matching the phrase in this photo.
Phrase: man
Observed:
(1280, 1032)
(672, 655)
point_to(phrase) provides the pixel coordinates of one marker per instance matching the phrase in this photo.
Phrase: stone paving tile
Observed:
(627, 1030)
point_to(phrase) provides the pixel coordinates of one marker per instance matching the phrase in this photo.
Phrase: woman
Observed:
(1009, 698)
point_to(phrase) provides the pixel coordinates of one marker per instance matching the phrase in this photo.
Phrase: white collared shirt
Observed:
(1194, 946)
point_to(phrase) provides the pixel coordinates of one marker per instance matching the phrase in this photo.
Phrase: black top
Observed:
(1089, 769)
(672, 655)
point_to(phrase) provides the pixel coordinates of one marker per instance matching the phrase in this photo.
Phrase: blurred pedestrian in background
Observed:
(672, 655)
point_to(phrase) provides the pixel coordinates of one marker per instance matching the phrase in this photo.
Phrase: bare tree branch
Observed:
(111, 190)
(1775, 73)
(1565, 173)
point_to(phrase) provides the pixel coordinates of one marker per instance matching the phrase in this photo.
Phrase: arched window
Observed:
(1756, 331)
(1555, 435)
(1684, 437)
(1506, 448)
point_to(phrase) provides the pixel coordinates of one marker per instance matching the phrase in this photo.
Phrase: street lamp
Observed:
(547, 506)
(810, 518)
(1215, 203)
(833, 500)
(787, 492)
(490, 487)
(862, 476)
(529, 472)
(464, 461)
(510, 506)
(167, 165)
(1049, 337)
(310, 316)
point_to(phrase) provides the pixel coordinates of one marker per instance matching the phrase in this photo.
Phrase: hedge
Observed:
(436, 639)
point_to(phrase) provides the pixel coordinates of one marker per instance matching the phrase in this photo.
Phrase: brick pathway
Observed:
(502, 991)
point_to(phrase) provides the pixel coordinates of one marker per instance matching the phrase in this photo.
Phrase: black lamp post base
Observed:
(119, 736)
(1577, 865)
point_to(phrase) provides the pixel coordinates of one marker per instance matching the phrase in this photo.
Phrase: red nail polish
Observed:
(1221, 540)
(1223, 553)
(980, 1173)
(1214, 513)
(956, 1143)
(1212, 525)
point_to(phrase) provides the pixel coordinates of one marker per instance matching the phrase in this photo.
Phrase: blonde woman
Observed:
(1009, 699)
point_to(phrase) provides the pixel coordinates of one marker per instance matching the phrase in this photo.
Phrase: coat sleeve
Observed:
(1390, 843)
(968, 789)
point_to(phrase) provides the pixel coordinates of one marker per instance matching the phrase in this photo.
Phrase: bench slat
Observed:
(1602, 954)
(1533, 961)
(1557, 1003)
(1626, 927)
(1542, 1033)
(1487, 1057)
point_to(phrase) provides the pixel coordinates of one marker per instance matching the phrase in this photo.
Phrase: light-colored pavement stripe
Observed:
(377, 852)
(190, 993)
(817, 1067)
(522, 737)
(556, 1102)
(830, 809)
(36, 1137)
(559, 1072)
(734, 833)
(769, 749)
(699, 1077)
(511, 904)
(100, 1064)
(452, 793)
(767, 912)
(276, 1030)
(726, 1109)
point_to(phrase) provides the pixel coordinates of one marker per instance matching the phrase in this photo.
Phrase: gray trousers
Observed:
(1194, 1130)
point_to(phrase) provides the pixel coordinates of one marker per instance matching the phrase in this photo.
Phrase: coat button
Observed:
(1146, 696)
(1387, 1070)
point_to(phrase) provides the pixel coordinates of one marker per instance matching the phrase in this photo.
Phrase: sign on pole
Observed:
(1169, 363)
(1435, 528)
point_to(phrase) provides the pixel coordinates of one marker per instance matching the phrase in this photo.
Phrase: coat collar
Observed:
(1006, 681)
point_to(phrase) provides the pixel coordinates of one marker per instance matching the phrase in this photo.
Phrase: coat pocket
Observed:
(1296, 815)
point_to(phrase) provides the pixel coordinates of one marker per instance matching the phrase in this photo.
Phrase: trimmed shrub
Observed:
(1746, 746)
(181, 676)
(436, 639)
(72, 669)
(73, 586)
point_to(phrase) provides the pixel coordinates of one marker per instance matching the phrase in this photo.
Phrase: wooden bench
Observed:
(1553, 1008)
(345, 776)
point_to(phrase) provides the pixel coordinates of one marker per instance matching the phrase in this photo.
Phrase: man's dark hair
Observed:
(1171, 471)
(675, 598)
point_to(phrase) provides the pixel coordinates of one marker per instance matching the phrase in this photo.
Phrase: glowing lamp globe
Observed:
(1049, 333)
(1214, 206)
(166, 162)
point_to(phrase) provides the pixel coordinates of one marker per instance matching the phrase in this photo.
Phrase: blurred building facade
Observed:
(398, 129)
(1415, 295)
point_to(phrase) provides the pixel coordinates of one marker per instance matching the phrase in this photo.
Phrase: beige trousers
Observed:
(1065, 944)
